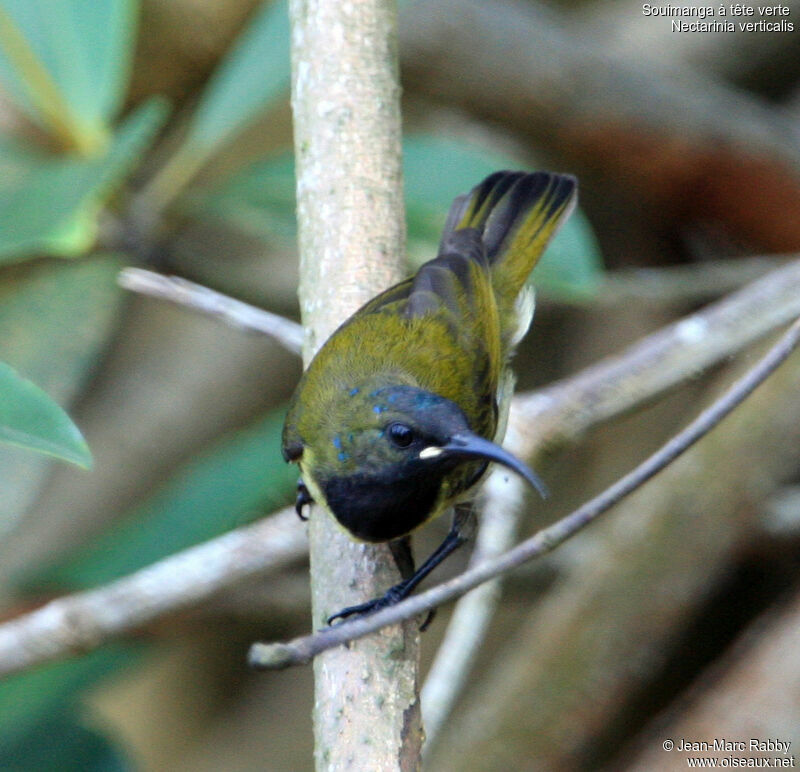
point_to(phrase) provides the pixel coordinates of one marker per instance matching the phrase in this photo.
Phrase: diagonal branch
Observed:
(83, 621)
(734, 322)
(565, 410)
(234, 312)
(303, 650)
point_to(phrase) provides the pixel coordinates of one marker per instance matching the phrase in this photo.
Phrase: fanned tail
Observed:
(516, 214)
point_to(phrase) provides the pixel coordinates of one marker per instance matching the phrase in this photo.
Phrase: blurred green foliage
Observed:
(66, 65)
(55, 318)
(253, 76)
(29, 418)
(42, 728)
(240, 478)
(51, 204)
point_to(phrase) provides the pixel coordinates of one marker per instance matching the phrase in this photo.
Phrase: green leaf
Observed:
(254, 74)
(437, 170)
(571, 267)
(67, 63)
(236, 481)
(30, 419)
(29, 701)
(49, 204)
(259, 200)
(55, 319)
(65, 744)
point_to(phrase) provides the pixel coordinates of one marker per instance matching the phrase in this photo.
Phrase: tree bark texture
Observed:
(345, 101)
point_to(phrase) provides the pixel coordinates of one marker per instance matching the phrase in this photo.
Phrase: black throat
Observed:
(378, 508)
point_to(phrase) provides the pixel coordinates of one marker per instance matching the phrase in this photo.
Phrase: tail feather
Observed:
(516, 214)
(472, 209)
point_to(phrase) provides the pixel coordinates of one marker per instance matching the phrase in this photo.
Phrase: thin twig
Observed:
(234, 312)
(691, 283)
(303, 650)
(82, 621)
(563, 411)
(776, 296)
(501, 508)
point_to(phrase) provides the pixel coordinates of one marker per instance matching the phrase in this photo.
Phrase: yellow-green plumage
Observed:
(429, 355)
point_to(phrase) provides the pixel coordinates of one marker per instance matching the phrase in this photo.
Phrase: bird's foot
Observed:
(303, 498)
(391, 597)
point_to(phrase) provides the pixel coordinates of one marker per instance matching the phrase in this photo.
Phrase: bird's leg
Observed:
(303, 498)
(403, 556)
(460, 531)
(404, 560)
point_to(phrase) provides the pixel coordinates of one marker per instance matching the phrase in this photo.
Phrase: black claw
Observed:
(428, 619)
(303, 498)
(392, 596)
(362, 609)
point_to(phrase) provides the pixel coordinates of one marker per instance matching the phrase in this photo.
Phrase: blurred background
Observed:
(157, 133)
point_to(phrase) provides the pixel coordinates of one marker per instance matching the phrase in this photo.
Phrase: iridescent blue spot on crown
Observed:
(426, 399)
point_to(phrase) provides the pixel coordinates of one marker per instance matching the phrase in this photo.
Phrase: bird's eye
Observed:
(400, 434)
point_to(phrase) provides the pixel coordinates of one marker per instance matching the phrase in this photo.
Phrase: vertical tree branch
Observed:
(345, 100)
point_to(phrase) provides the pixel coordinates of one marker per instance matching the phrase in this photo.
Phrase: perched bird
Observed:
(397, 417)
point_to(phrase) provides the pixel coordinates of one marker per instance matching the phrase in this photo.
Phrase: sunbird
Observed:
(398, 416)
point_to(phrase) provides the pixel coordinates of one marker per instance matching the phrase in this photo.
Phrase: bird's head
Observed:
(386, 458)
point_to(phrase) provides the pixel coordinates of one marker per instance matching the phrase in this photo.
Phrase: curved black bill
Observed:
(473, 446)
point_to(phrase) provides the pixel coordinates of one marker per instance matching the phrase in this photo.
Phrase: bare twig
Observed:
(563, 411)
(690, 283)
(739, 320)
(303, 650)
(501, 506)
(82, 621)
(234, 312)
